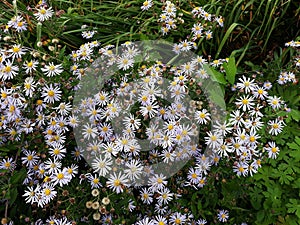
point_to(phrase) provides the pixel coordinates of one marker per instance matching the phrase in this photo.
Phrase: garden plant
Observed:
(149, 112)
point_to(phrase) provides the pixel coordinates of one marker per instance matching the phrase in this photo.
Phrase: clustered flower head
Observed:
(168, 17)
(290, 76)
(36, 93)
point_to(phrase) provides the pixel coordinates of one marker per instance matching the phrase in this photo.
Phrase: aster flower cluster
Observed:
(34, 110)
(168, 17)
(286, 77)
(17, 23)
(237, 139)
(36, 104)
(202, 27)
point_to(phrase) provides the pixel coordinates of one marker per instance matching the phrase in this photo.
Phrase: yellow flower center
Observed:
(274, 149)
(16, 49)
(13, 132)
(124, 141)
(56, 151)
(96, 181)
(27, 86)
(47, 191)
(117, 182)
(236, 145)
(12, 108)
(159, 180)
(70, 171)
(213, 138)
(7, 164)
(252, 139)
(170, 126)
(144, 98)
(245, 101)
(29, 158)
(202, 115)
(43, 11)
(7, 69)
(102, 97)
(177, 221)
(51, 93)
(60, 176)
(51, 67)
(162, 111)
(3, 95)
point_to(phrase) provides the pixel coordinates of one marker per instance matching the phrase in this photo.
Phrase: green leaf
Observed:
(296, 184)
(297, 140)
(194, 209)
(294, 207)
(285, 178)
(18, 177)
(217, 98)
(291, 220)
(230, 69)
(226, 36)
(260, 216)
(3, 149)
(295, 114)
(293, 145)
(13, 195)
(199, 206)
(215, 75)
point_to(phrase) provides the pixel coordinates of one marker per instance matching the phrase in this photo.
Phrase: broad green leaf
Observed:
(230, 69)
(215, 75)
(13, 195)
(217, 98)
(18, 177)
